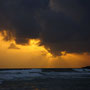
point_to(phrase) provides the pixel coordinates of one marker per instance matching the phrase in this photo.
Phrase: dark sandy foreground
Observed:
(47, 84)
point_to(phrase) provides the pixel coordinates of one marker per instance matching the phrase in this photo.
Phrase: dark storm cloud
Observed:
(62, 32)
(62, 25)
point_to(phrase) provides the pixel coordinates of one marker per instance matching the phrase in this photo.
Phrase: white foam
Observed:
(37, 73)
(21, 71)
(19, 74)
(82, 70)
(79, 70)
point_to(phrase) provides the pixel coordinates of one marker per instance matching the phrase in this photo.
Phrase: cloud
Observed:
(13, 46)
(61, 25)
(72, 8)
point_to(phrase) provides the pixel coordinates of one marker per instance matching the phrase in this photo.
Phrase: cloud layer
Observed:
(62, 25)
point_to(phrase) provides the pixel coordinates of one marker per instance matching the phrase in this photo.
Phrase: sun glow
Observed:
(34, 55)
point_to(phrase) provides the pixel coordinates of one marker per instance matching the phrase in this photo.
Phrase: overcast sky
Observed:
(61, 25)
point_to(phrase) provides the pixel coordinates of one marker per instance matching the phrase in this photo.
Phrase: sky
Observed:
(44, 33)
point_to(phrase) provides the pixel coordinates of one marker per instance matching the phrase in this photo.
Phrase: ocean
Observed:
(44, 79)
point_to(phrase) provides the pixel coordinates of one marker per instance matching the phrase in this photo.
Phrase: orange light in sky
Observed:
(13, 55)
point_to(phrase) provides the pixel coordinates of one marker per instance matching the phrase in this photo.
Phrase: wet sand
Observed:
(47, 84)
